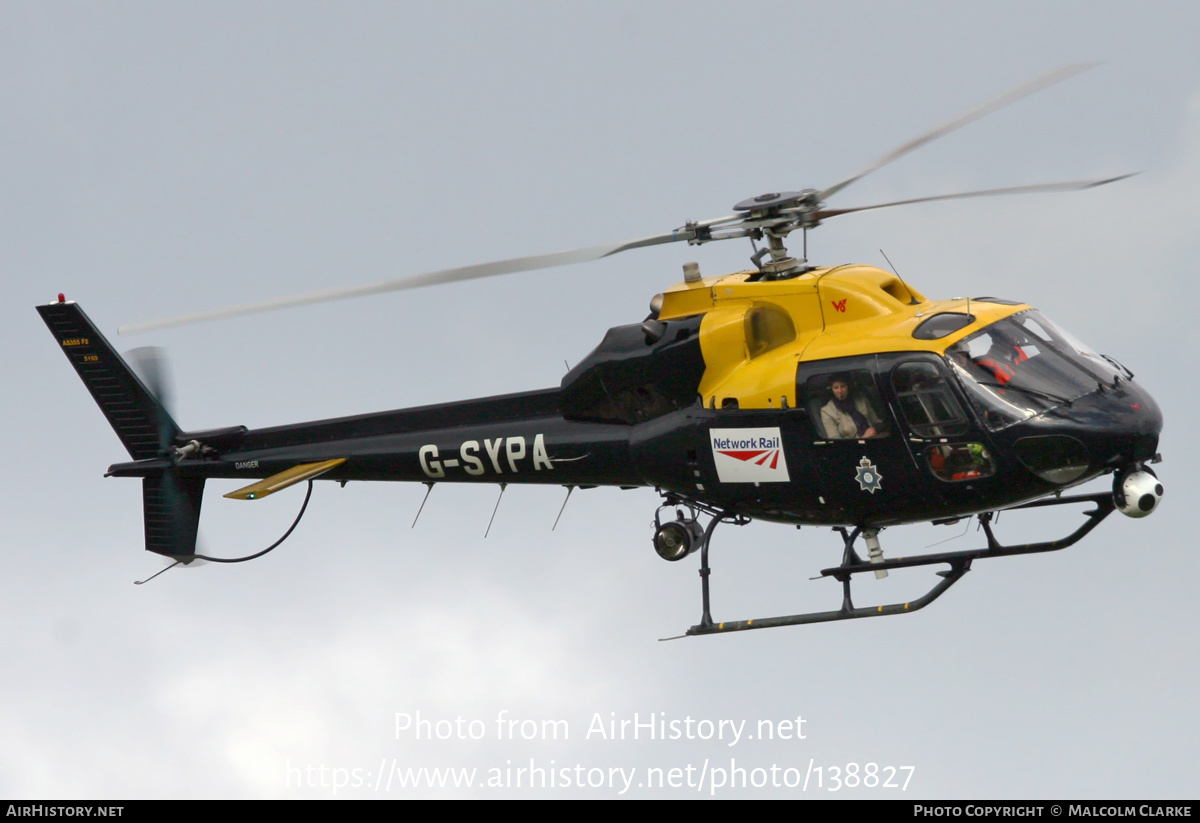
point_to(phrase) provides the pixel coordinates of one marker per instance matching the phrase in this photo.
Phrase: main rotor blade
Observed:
(519, 264)
(1000, 102)
(1076, 185)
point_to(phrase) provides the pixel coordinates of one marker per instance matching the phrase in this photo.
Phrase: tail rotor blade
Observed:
(150, 362)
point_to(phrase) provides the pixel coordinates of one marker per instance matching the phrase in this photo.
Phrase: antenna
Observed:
(912, 300)
(564, 506)
(503, 486)
(157, 573)
(422, 506)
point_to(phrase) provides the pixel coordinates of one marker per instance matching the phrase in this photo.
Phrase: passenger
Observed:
(845, 417)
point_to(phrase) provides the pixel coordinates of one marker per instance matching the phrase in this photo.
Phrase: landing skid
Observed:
(852, 564)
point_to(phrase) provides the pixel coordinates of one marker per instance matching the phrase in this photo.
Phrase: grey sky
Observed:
(158, 159)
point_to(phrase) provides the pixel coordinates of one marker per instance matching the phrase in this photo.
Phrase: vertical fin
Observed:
(171, 506)
(131, 409)
(170, 503)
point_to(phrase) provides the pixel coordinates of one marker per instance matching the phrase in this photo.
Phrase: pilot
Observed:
(845, 417)
(1002, 359)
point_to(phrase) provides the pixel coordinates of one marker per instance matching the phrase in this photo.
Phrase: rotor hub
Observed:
(769, 201)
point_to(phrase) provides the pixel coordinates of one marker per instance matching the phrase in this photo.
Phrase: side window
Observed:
(926, 400)
(845, 405)
(960, 461)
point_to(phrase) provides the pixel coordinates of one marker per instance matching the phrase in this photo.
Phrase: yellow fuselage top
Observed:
(754, 334)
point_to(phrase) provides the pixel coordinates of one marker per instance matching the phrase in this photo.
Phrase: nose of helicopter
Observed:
(1117, 427)
(1113, 429)
(1129, 417)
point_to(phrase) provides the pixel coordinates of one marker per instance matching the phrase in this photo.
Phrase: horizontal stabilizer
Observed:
(288, 477)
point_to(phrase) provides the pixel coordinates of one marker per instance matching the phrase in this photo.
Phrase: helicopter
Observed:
(834, 396)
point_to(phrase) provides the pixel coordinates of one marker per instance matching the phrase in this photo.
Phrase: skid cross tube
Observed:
(852, 564)
(1104, 507)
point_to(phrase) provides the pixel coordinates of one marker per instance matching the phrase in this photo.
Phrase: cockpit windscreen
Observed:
(1023, 365)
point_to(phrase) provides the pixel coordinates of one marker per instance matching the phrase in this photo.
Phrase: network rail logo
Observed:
(749, 455)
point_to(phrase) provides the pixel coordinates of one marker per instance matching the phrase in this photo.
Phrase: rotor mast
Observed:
(771, 217)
